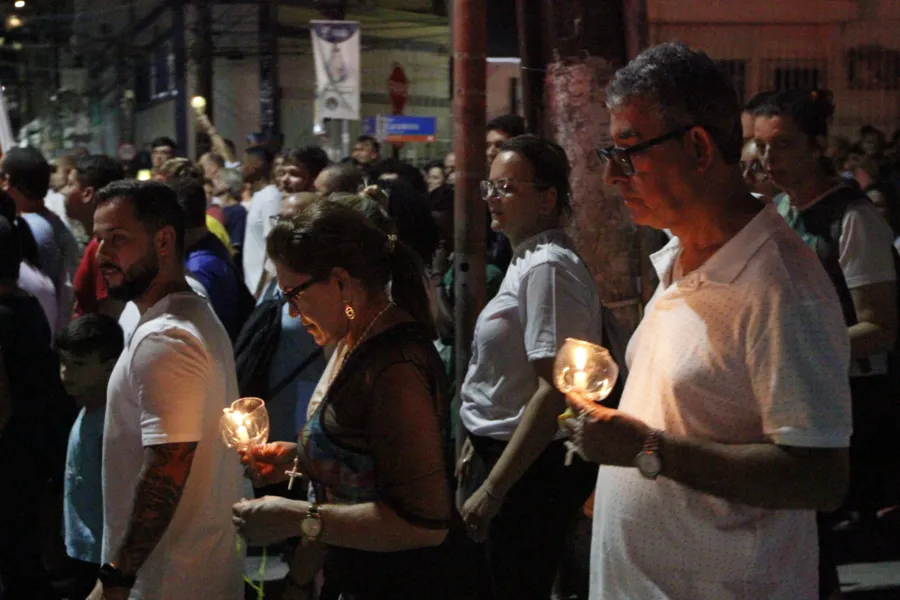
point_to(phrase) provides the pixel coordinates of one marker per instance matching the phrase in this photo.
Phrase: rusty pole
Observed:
(469, 116)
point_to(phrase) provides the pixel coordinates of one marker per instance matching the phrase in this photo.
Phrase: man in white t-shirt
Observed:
(735, 420)
(256, 170)
(168, 481)
(855, 245)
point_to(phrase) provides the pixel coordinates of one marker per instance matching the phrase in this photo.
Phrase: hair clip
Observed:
(391, 243)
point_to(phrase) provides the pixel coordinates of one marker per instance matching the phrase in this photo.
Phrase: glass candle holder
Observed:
(245, 423)
(585, 368)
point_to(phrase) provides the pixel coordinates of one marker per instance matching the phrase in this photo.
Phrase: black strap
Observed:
(277, 389)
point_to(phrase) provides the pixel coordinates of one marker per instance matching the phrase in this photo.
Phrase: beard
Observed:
(137, 279)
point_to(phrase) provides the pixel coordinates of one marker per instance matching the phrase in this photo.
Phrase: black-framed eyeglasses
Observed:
(295, 291)
(505, 187)
(621, 157)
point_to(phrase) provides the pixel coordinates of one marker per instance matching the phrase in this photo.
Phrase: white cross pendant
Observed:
(293, 474)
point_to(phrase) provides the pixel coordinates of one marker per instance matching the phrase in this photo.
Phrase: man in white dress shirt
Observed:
(734, 424)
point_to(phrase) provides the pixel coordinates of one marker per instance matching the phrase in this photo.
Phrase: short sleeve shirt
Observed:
(170, 385)
(865, 255)
(750, 348)
(547, 295)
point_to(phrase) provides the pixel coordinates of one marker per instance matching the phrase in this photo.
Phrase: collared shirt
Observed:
(547, 295)
(750, 348)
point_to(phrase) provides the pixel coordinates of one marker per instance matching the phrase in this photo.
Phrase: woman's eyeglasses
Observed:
(295, 291)
(505, 187)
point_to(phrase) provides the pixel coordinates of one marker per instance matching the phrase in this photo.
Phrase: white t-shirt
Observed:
(169, 386)
(131, 314)
(866, 258)
(547, 295)
(750, 348)
(56, 202)
(266, 203)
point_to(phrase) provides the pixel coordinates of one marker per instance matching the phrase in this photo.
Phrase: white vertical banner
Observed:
(336, 50)
(7, 140)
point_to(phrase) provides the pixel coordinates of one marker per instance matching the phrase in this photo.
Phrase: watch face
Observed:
(312, 527)
(649, 464)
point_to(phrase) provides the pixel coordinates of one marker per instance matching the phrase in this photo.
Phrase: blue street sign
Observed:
(401, 128)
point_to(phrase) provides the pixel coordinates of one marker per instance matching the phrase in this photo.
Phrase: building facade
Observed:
(850, 47)
(155, 56)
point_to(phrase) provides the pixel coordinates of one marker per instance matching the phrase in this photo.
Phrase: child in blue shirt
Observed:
(89, 348)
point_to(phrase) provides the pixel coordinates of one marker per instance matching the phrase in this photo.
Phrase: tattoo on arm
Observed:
(159, 488)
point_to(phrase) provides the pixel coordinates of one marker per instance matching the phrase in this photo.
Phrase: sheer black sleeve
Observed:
(404, 433)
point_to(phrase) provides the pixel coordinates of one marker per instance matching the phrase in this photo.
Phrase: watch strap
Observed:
(112, 576)
(652, 441)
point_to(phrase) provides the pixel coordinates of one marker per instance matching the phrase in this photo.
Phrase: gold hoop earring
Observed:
(348, 310)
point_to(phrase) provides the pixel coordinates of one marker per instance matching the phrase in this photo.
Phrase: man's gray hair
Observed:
(688, 88)
(233, 181)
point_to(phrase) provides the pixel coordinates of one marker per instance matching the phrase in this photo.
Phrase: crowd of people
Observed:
(754, 431)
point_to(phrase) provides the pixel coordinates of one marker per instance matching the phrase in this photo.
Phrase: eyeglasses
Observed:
(621, 157)
(294, 292)
(506, 187)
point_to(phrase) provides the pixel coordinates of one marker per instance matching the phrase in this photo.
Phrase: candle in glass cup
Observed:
(580, 377)
(586, 369)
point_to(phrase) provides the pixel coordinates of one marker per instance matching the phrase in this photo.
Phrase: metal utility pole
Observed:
(586, 43)
(469, 120)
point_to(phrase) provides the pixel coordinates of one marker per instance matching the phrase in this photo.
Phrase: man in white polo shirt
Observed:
(734, 424)
(168, 481)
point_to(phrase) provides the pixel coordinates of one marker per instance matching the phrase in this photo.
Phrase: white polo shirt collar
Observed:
(728, 262)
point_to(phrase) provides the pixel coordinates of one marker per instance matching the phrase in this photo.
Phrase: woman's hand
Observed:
(269, 519)
(266, 464)
(478, 511)
(464, 464)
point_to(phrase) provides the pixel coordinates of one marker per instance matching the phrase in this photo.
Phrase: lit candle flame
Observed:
(580, 357)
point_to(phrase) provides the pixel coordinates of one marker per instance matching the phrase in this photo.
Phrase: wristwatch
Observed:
(648, 461)
(112, 576)
(312, 524)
